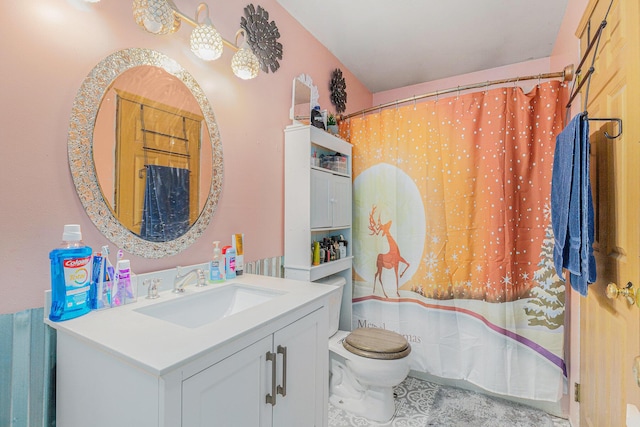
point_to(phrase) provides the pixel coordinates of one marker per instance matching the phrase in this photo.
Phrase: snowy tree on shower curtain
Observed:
(546, 308)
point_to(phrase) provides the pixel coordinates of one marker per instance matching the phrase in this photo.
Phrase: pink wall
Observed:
(48, 48)
(527, 68)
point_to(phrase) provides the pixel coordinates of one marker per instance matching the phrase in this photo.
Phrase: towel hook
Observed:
(606, 134)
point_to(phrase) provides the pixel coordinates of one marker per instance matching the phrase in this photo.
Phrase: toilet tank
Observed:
(335, 300)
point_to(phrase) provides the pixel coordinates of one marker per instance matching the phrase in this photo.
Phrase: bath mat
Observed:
(454, 407)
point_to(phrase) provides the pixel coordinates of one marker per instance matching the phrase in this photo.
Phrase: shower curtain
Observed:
(453, 245)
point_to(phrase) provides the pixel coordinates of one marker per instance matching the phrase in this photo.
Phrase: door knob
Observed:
(631, 295)
(636, 369)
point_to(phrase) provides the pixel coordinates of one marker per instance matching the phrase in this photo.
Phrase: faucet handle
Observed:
(152, 290)
(202, 280)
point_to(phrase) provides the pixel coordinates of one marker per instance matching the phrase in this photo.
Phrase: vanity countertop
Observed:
(160, 347)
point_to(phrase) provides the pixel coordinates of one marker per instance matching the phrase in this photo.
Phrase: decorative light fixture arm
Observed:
(164, 17)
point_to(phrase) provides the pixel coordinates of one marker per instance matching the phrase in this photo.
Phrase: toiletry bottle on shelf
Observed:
(343, 249)
(237, 241)
(229, 261)
(316, 253)
(70, 276)
(216, 265)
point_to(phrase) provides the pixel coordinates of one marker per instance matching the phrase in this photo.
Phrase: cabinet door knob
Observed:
(272, 357)
(283, 388)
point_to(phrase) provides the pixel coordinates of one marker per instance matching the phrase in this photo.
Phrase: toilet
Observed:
(364, 365)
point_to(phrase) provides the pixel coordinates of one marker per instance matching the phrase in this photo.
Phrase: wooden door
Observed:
(149, 133)
(609, 329)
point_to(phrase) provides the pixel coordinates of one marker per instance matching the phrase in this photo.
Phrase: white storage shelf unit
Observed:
(318, 204)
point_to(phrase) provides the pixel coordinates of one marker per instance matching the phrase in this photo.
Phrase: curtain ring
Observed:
(486, 87)
(437, 96)
(458, 93)
(539, 77)
(414, 103)
(396, 105)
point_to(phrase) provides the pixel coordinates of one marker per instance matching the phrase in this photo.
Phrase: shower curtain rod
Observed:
(566, 75)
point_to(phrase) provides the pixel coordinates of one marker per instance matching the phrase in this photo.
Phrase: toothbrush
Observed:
(109, 273)
(109, 270)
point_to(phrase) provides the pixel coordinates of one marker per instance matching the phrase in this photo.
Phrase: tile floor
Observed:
(414, 399)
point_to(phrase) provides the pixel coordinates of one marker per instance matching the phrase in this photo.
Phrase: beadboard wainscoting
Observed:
(273, 267)
(27, 370)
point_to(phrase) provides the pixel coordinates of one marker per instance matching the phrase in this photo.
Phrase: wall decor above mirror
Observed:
(166, 148)
(262, 37)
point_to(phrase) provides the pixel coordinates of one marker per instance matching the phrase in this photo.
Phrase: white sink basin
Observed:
(195, 310)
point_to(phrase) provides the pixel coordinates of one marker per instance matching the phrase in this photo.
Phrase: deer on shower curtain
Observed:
(453, 246)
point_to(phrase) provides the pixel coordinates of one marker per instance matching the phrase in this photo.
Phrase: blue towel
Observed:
(572, 213)
(165, 214)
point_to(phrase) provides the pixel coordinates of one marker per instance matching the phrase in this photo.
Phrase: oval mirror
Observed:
(145, 153)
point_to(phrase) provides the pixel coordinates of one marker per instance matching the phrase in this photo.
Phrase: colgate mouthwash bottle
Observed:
(70, 276)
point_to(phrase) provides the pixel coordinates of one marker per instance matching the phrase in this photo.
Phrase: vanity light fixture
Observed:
(244, 63)
(156, 16)
(205, 40)
(163, 17)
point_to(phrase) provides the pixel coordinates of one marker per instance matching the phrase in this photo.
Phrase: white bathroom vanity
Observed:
(170, 362)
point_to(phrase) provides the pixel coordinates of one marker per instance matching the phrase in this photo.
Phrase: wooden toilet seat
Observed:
(376, 343)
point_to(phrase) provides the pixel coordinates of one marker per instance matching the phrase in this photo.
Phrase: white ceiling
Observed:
(389, 44)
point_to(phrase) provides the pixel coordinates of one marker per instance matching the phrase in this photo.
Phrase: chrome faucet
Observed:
(182, 280)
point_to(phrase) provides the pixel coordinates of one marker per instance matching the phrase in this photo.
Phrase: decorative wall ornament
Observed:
(262, 37)
(338, 88)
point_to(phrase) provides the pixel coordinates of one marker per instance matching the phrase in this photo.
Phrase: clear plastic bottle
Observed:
(70, 276)
(216, 265)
